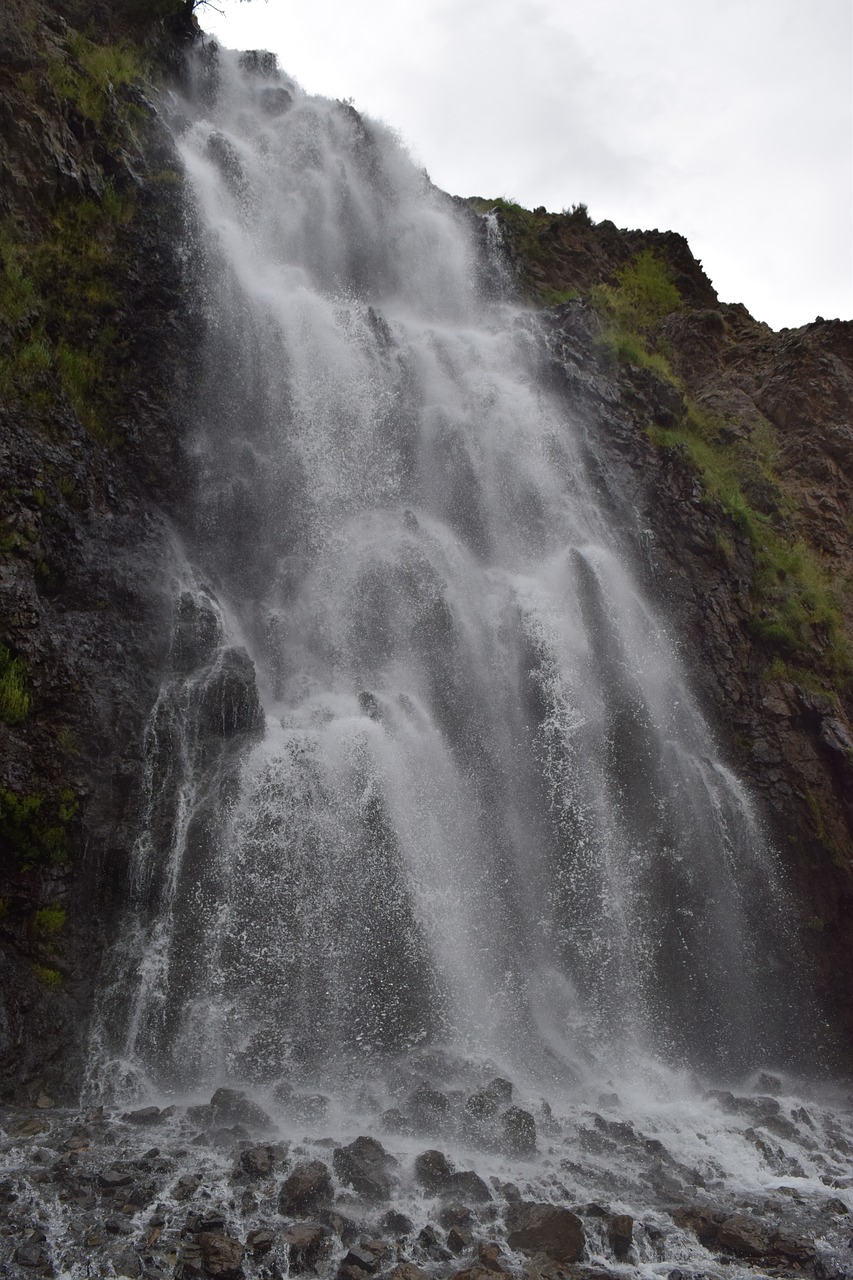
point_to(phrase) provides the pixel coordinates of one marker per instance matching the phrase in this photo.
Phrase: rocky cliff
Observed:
(734, 443)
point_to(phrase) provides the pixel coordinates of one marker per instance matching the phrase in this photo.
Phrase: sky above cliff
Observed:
(729, 121)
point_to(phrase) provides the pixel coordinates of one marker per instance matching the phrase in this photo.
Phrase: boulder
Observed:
(307, 1188)
(231, 1106)
(307, 1244)
(365, 1166)
(518, 1131)
(621, 1232)
(223, 1256)
(229, 702)
(743, 1236)
(487, 1102)
(545, 1228)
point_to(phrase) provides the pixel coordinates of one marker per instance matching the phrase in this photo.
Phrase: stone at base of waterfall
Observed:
(308, 1186)
(231, 1106)
(434, 1172)
(518, 1132)
(210, 1255)
(545, 1228)
(307, 1244)
(367, 1167)
(487, 1102)
(621, 1232)
(743, 1236)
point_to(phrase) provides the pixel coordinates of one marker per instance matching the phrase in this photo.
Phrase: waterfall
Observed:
(426, 772)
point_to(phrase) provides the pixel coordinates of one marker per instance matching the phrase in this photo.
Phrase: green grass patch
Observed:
(34, 830)
(14, 698)
(48, 977)
(92, 73)
(49, 921)
(795, 610)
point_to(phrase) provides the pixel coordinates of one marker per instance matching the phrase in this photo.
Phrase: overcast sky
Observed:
(730, 121)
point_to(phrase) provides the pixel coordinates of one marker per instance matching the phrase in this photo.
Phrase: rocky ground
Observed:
(440, 1185)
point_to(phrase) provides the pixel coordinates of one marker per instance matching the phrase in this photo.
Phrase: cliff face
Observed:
(733, 443)
(95, 347)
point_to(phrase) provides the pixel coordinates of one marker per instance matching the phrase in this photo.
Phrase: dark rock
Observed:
(361, 1259)
(459, 1239)
(489, 1257)
(454, 1215)
(487, 1102)
(367, 1167)
(307, 1188)
(144, 1115)
(230, 705)
(407, 1271)
(223, 1256)
(307, 1244)
(397, 1224)
(432, 1171)
(743, 1236)
(430, 1244)
(621, 1231)
(260, 1242)
(518, 1132)
(545, 1228)
(111, 1179)
(257, 1162)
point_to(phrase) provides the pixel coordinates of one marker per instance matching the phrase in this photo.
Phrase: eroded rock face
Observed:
(89, 477)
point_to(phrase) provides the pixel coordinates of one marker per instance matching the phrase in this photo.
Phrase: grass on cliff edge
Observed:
(795, 610)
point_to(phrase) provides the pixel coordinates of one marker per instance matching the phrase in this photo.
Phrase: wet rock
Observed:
(260, 1242)
(367, 1167)
(703, 1222)
(545, 1228)
(407, 1271)
(361, 1259)
(222, 1255)
(232, 1107)
(307, 1188)
(186, 1187)
(111, 1179)
(485, 1103)
(143, 1115)
(489, 1257)
(455, 1215)
(459, 1239)
(32, 1254)
(344, 1228)
(429, 1243)
(766, 1083)
(307, 1244)
(518, 1129)
(397, 1224)
(743, 1236)
(432, 1171)
(230, 705)
(621, 1232)
(257, 1162)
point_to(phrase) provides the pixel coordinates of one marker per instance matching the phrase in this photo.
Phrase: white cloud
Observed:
(728, 121)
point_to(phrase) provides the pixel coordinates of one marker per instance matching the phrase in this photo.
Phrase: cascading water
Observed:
(484, 811)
